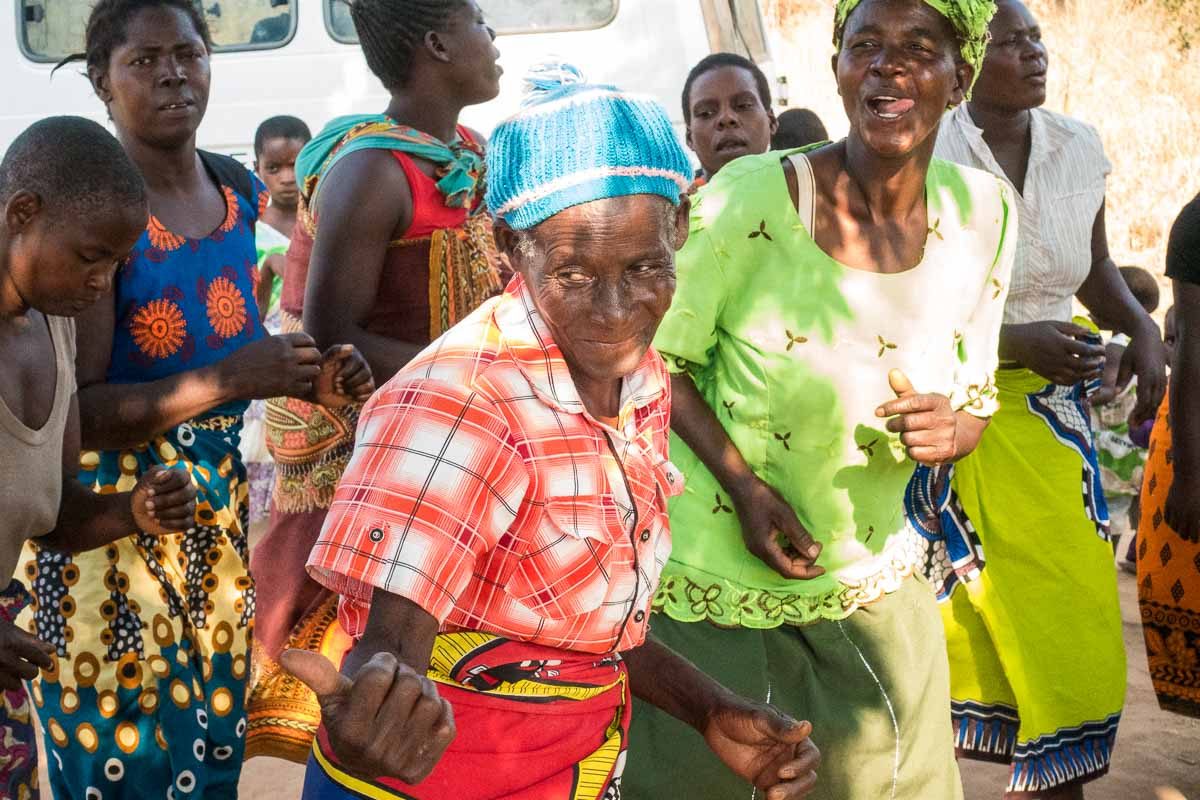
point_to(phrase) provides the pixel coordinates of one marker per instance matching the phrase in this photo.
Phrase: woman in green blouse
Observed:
(835, 323)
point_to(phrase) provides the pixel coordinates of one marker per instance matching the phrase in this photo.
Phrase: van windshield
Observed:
(506, 16)
(50, 30)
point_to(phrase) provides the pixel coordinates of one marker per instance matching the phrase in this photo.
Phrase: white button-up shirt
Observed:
(1064, 190)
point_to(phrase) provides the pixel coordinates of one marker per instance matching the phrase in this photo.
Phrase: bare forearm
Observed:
(694, 421)
(1107, 296)
(398, 626)
(114, 416)
(1185, 412)
(668, 681)
(87, 520)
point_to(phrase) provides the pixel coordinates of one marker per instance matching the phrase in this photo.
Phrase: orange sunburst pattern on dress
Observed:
(231, 209)
(158, 328)
(226, 308)
(161, 238)
(264, 200)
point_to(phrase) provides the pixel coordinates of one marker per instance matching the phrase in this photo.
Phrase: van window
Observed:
(50, 30)
(506, 16)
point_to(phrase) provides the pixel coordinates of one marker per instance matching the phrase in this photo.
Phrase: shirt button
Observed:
(639, 616)
(646, 535)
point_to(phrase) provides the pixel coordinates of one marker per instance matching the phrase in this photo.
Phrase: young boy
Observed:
(73, 207)
(277, 143)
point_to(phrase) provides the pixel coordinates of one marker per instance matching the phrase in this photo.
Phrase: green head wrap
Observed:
(970, 19)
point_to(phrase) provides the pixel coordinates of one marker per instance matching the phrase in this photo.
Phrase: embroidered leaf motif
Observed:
(762, 231)
(960, 347)
(999, 288)
(794, 340)
(885, 345)
(784, 439)
(720, 506)
(933, 231)
(729, 404)
(870, 532)
(869, 447)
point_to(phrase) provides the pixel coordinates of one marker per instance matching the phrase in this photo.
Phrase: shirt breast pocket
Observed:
(572, 558)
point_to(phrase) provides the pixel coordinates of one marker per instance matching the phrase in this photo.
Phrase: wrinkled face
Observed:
(728, 118)
(156, 84)
(897, 71)
(276, 166)
(602, 275)
(1014, 70)
(471, 49)
(63, 269)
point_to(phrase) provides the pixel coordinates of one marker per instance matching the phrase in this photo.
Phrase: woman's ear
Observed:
(436, 47)
(507, 240)
(964, 74)
(683, 221)
(99, 81)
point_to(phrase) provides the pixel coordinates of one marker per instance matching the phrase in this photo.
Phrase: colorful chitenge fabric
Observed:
(441, 270)
(18, 735)
(534, 723)
(1035, 682)
(152, 634)
(1168, 584)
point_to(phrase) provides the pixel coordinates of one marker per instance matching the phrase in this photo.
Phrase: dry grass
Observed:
(1129, 67)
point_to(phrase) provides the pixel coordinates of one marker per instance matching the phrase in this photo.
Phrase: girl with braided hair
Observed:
(151, 633)
(391, 248)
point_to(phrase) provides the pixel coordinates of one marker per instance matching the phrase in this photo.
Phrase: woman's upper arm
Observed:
(93, 342)
(362, 204)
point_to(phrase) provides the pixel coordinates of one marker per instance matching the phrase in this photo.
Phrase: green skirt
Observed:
(1037, 658)
(874, 685)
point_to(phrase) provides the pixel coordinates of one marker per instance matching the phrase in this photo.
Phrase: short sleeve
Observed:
(433, 484)
(688, 333)
(262, 197)
(1183, 246)
(979, 343)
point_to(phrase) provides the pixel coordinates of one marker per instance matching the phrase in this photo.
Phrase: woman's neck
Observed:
(165, 170)
(439, 119)
(602, 399)
(1001, 127)
(891, 188)
(281, 219)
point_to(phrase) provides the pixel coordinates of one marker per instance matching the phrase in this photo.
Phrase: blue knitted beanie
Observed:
(573, 142)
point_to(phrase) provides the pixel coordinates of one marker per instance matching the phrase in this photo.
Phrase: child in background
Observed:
(277, 142)
(51, 271)
(798, 127)
(1118, 450)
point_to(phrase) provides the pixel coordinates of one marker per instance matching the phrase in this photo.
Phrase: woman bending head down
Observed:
(834, 327)
(498, 534)
(152, 632)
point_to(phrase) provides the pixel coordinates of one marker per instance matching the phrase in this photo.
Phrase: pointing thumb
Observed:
(317, 672)
(900, 383)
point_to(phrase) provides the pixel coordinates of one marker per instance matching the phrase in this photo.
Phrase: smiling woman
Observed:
(834, 327)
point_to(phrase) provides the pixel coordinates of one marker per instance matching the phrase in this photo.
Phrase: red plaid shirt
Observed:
(483, 491)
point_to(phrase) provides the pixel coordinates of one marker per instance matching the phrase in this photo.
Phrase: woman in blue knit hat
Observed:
(497, 537)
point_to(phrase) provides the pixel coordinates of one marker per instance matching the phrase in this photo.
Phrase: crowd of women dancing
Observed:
(582, 473)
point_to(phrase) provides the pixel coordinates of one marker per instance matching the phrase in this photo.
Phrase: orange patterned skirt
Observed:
(1168, 585)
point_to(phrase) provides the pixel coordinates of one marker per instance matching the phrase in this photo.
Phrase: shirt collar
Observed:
(1047, 136)
(527, 339)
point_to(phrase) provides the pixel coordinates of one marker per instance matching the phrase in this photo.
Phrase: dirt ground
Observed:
(1157, 754)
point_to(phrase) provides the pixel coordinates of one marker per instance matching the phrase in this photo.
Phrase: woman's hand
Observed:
(385, 722)
(21, 655)
(1145, 357)
(1058, 351)
(927, 425)
(774, 534)
(163, 501)
(345, 378)
(285, 365)
(764, 747)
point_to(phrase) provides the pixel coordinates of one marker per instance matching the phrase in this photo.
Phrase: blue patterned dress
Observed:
(145, 698)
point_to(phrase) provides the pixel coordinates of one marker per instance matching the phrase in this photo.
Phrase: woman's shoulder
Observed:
(975, 193)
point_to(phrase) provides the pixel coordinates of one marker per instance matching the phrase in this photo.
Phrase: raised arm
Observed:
(363, 204)
(119, 415)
